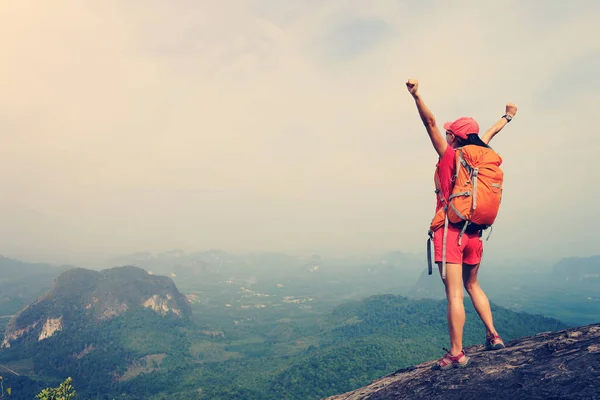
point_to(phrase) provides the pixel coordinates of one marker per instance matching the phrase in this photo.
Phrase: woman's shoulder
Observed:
(447, 159)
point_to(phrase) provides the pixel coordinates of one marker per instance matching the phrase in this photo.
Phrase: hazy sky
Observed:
(253, 125)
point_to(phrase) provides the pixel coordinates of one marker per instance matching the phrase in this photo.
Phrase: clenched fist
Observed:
(412, 85)
(511, 109)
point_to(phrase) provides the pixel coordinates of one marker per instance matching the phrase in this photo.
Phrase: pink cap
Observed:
(462, 127)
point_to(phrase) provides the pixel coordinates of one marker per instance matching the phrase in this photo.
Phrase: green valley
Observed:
(249, 328)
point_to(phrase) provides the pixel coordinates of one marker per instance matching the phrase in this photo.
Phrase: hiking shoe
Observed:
(490, 345)
(450, 361)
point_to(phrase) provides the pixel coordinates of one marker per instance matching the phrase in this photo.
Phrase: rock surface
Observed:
(551, 365)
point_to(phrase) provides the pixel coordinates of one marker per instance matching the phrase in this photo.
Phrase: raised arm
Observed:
(439, 143)
(511, 110)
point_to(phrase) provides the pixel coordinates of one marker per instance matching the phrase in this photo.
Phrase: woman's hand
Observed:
(412, 85)
(511, 109)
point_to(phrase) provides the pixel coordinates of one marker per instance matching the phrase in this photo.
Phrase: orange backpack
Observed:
(475, 197)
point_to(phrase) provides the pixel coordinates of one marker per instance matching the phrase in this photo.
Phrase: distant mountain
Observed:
(11, 269)
(99, 326)
(22, 282)
(569, 290)
(428, 286)
(578, 269)
(179, 264)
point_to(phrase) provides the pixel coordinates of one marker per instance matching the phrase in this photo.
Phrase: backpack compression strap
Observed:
(429, 265)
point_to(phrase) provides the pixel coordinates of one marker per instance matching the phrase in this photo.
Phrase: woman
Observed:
(462, 260)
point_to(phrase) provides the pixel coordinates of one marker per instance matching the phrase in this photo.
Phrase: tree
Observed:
(8, 390)
(64, 392)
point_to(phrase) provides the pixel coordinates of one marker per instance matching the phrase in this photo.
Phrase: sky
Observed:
(263, 125)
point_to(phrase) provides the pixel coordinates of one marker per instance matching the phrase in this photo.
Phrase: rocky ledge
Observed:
(551, 365)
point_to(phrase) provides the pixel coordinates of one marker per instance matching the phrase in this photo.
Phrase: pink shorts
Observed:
(470, 250)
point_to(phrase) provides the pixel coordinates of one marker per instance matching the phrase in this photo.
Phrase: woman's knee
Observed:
(455, 295)
(471, 286)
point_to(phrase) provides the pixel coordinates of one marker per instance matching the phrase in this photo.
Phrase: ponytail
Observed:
(472, 138)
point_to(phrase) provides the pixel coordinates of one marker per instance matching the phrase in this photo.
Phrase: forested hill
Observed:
(98, 327)
(81, 296)
(365, 340)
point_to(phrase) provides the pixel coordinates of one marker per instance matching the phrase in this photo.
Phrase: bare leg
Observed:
(478, 297)
(456, 308)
